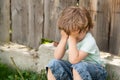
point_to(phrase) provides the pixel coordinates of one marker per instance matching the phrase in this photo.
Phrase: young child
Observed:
(84, 59)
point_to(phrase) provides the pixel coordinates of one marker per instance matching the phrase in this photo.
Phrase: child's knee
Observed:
(49, 71)
(75, 72)
(81, 70)
(80, 66)
(50, 75)
(54, 62)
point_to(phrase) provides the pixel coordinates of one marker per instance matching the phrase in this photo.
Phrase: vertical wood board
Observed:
(27, 22)
(19, 21)
(35, 23)
(115, 27)
(4, 20)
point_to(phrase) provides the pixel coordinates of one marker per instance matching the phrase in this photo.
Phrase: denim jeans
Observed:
(62, 70)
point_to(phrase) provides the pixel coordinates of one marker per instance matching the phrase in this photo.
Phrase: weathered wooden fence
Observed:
(31, 20)
(4, 20)
(27, 21)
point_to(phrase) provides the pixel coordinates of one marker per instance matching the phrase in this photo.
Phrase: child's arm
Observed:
(60, 50)
(75, 55)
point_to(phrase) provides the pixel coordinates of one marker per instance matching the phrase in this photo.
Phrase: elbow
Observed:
(57, 57)
(72, 61)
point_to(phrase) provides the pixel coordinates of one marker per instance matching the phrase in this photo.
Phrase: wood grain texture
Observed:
(33, 20)
(27, 22)
(19, 21)
(4, 20)
(35, 23)
(115, 27)
(52, 9)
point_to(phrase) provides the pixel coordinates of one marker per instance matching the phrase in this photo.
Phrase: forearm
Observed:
(60, 50)
(73, 51)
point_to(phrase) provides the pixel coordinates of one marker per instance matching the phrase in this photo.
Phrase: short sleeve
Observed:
(88, 45)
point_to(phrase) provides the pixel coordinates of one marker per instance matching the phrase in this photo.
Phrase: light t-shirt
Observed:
(88, 44)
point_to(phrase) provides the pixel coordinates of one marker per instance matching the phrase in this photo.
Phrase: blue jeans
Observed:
(62, 70)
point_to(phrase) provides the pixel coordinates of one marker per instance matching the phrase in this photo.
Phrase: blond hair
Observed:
(75, 18)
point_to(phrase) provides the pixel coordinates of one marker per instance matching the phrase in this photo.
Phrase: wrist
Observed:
(72, 43)
(64, 38)
(72, 39)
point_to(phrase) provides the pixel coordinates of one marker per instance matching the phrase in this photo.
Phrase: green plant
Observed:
(5, 71)
(45, 41)
(43, 75)
(8, 73)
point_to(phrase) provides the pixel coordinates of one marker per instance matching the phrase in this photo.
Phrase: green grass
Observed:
(7, 73)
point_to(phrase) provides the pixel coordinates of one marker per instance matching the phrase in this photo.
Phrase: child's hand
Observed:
(64, 35)
(74, 35)
(77, 36)
(55, 43)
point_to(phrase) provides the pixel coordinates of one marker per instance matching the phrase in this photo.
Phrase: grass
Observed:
(7, 73)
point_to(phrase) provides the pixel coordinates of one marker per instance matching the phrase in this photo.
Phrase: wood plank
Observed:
(27, 22)
(52, 9)
(115, 27)
(102, 30)
(89, 4)
(35, 23)
(115, 36)
(4, 20)
(115, 6)
(19, 21)
(103, 24)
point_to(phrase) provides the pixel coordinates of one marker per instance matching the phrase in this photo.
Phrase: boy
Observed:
(84, 60)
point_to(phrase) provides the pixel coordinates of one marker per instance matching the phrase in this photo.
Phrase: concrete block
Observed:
(20, 54)
(46, 53)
